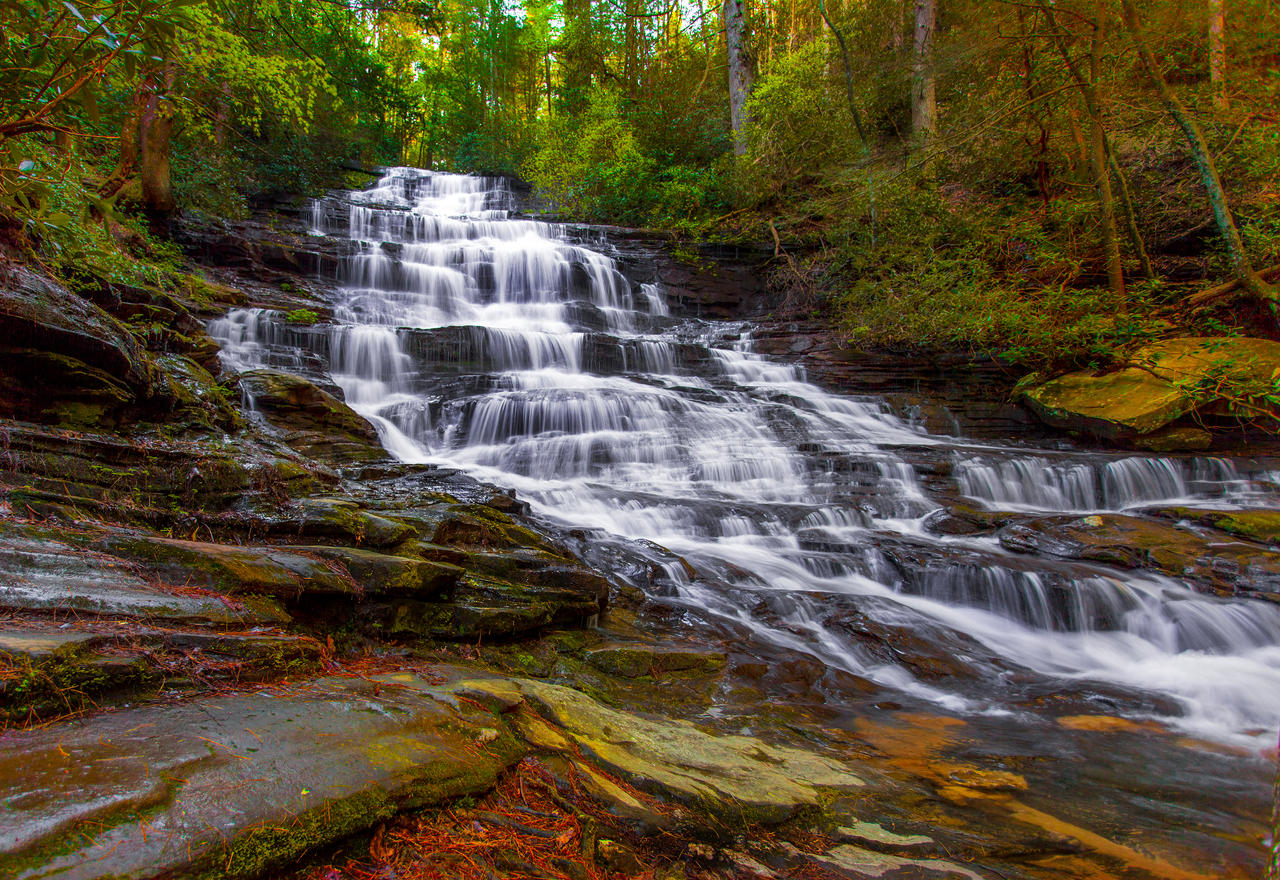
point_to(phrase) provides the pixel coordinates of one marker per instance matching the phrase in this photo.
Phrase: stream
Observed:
(722, 483)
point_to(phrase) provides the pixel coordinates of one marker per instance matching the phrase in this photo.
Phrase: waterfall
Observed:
(496, 345)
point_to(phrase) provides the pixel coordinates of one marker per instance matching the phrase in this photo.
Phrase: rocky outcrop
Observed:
(236, 786)
(111, 355)
(315, 422)
(734, 778)
(1212, 378)
(1135, 542)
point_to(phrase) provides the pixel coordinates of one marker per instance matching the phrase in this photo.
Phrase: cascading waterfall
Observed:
(499, 346)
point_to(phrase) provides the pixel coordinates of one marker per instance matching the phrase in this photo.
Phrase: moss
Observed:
(66, 681)
(72, 839)
(1262, 526)
(258, 850)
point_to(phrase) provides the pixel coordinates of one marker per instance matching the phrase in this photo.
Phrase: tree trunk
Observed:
(1218, 52)
(1240, 264)
(154, 129)
(631, 57)
(127, 166)
(1097, 154)
(848, 72)
(924, 100)
(577, 70)
(740, 74)
(897, 20)
(1130, 216)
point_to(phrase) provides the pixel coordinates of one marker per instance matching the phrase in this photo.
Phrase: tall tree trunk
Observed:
(1130, 216)
(154, 130)
(740, 73)
(848, 72)
(1218, 52)
(897, 22)
(631, 58)
(924, 100)
(127, 166)
(1097, 154)
(577, 71)
(1240, 264)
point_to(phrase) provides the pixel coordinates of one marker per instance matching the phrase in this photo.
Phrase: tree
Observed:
(924, 98)
(1218, 52)
(741, 74)
(1097, 148)
(848, 71)
(1241, 266)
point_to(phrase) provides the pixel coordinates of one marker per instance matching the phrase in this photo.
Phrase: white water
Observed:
(497, 346)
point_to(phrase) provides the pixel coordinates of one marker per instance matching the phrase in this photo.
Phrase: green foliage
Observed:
(302, 316)
(593, 166)
(931, 271)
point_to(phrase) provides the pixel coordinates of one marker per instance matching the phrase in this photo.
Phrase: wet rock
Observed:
(874, 836)
(863, 864)
(735, 778)
(377, 573)
(316, 423)
(1175, 439)
(53, 672)
(284, 572)
(1262, 526)
(337, 519)
(481, 606)
(236, 786)
(960, 519)
(79, 466)
(479, 526)
(930, 651)
(38, 573)
(1133, 542)
(238, 570)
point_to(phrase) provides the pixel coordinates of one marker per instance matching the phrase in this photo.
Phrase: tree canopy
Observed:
(1070, 157)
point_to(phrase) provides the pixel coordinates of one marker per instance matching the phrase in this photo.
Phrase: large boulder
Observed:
(314, 421)
(733, 778)
(1112, 406)
(236, 786)
(62, 358)
(1164, 381)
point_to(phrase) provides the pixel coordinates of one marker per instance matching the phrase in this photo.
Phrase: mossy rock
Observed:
(634, 661)
(248, 783)
(1262, 526)
(235, 570)
(1113, 405)
(378, 573)
(1211, 376)
(314, 421)
(739, 781)
(70, 678)
(1135, 542)
(344, 520)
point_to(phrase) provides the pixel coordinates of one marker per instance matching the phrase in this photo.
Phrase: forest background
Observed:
(1047, 183)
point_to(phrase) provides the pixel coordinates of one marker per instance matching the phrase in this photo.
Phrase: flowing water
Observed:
(521, 354)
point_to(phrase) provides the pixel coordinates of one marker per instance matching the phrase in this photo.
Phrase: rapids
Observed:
(520, 353)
